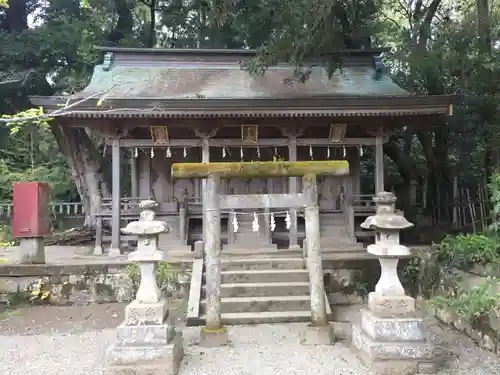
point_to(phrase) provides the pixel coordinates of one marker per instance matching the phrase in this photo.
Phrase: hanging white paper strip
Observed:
(361, 151)
(273, 223)
(235, 223)
(185, 152)
(328, 153)
(288, 220)
(311, 152)
(344, 152)
(223, 152)
(255, 223)
(258, 153)
(169, 153)
(152, 154)
(136, 153)
(241, 153)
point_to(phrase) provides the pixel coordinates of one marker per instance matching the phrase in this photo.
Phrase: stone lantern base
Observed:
(391, 337)
(148, 343)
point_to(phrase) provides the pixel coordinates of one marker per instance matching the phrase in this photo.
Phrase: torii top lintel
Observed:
(260, 169)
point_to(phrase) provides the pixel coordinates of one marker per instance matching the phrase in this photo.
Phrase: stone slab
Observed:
(211, 338)
(386, 351)
(145, 360)
(137, 313)
(32, 250)
(193, 310)
(399, 367)
(146, 334)
(391, 306)
(394, 329)
(178, 250)
(318, 335)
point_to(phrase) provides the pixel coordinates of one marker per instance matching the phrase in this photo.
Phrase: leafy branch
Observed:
(37, 115)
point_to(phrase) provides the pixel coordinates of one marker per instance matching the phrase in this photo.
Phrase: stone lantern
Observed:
(387, 225)
(391, 336)
(147, 338)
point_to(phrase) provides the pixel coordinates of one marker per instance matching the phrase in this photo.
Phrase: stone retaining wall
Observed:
(486, 330)
(80, 284)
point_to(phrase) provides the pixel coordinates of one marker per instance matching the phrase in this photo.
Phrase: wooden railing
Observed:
(68, 209)
(363, 204)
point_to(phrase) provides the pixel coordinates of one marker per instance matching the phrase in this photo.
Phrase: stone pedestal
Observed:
(147, 341)
(32, 250)
(391, 336)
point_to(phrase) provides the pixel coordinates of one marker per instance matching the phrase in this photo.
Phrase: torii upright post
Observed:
(319, 332)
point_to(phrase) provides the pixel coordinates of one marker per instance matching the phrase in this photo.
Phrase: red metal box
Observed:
(31, 211)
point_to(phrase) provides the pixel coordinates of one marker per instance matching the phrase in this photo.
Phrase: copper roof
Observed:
(211, 83)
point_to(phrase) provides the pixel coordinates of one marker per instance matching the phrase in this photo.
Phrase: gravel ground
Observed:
(77, 348)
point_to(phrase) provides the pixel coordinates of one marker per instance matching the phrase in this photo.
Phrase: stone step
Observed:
(333, 226)
(346, 247)
(264, 253)
(262, 264)
(245, 247)
(332, 222)
(264, 317)
(264, 276)
(262, 304)
(295, 288)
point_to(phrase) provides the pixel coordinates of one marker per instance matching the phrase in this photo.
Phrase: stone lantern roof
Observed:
(386, 217)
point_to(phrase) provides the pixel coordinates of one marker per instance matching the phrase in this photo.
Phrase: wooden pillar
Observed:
(145, 188)
(379, 164)
(205, 158)
(115, 201)
(212, 249)
(313, 259)
(413, 192)
(292, 189)
(182, 223)
(134, 190)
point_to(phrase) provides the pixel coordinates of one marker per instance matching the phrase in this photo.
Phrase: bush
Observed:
(465, 250)
(472, 304)
(165, 277)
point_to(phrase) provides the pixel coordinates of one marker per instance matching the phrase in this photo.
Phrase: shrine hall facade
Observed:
(156, 107)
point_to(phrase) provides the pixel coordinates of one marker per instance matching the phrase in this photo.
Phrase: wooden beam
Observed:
(236, 142)
(254, 201)
(325, 142)
(189, 142)
(260, 169)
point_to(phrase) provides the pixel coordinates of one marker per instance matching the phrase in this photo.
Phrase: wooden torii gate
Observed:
(308, 199)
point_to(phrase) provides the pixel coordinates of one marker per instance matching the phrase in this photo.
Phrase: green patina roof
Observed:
(218, 77)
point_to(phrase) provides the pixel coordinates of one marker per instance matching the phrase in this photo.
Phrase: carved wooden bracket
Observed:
(293, 131)
(205, 133)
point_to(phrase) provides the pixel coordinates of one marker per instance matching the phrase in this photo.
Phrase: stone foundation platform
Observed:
(147, 342)
(393, 345)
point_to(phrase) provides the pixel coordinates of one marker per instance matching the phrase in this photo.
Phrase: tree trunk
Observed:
(84, 161)
(17, 16)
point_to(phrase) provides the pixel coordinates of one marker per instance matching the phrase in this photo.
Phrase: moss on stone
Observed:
(261, 169)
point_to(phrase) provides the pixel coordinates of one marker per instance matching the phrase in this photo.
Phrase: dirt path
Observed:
(36, 320)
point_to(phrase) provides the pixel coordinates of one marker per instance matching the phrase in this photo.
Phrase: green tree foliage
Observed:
(436, 48)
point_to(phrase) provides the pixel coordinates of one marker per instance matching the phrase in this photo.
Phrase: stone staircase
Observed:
(334, 233)
(246, 239)
(269, 287)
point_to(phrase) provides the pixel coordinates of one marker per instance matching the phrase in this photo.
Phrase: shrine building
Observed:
(156, 107)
